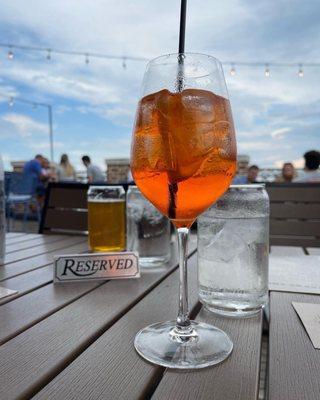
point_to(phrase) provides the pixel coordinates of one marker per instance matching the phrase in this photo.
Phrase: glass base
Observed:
(203, 346)
(234, 312)
(146, 262)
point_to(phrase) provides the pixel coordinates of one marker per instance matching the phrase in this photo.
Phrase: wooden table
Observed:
(75, 341)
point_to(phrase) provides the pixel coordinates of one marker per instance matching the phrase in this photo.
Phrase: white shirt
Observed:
(309, 176)
(95, 173)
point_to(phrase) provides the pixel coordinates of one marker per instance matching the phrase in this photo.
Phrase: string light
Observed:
(124, 58)
(300, 72)
(267, 71)
(11, 102)
(10, 54)
(34, 106)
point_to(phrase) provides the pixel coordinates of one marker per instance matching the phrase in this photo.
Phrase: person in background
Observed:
(65, 171)
(46, 169)
(94, 173)
(288, 173)
(311, 171)
(34, 172)
(251, 177)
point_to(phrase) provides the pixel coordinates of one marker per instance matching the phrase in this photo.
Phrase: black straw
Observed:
(173, 186)
(182, 33)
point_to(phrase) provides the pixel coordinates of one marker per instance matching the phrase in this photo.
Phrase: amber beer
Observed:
(106, 222)
(185, 142)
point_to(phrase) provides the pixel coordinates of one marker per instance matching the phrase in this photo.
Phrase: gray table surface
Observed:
(75, 341)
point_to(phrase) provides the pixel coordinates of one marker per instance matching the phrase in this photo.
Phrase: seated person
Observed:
(251, 176)
(311, 172)
(288, 173)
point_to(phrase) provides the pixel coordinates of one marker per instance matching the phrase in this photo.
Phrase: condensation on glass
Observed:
(233, 249)
(148, 231)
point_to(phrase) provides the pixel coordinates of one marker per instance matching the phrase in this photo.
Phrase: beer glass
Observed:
(106, 218)
(183, 158)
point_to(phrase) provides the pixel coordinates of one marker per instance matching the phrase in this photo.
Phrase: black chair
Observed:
(65, 209)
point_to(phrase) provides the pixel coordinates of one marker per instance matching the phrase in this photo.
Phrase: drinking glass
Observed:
(183, 158)
(233, 249)
(148, 231)
(106, 218)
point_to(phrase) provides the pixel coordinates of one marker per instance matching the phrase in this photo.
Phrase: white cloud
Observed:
(280, 133)
(262, 107)
(23, 125)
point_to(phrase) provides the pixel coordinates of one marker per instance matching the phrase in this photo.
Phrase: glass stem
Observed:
(183, 324)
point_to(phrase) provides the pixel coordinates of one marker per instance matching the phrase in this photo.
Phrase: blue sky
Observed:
(277, 118)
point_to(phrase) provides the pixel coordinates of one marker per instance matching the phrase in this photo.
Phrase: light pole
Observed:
(13, 99)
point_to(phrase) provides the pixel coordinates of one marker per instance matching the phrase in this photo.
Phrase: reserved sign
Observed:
(96, 266)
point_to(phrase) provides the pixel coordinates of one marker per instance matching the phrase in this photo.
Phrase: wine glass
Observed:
(183, 158)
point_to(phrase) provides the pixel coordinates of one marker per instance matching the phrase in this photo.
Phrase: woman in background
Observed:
(288, 173)
(65, 171)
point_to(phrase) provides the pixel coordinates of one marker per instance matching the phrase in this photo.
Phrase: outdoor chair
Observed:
(21, 194)
(294, 214)
(65, 208)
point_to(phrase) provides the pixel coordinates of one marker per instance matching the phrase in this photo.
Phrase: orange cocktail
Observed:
(183, 151)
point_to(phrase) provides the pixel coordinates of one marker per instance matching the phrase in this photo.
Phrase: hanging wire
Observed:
(125, 58)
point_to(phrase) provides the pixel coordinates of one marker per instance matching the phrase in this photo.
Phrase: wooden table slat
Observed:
(31, 359)
(30, 264)
(14, 234)
(293, 361)
(93, 375)
(34, 279)
(40, 240)
(237, 378)
(43, 249)
(19, 237)
(314, 251)
(286, 251)
(20, 314)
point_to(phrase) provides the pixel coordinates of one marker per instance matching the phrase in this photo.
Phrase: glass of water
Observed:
(148, 231)
(233, 247)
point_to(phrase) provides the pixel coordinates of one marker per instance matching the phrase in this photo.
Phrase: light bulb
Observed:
(87, 59)
(10, 54)
(300, 72)
(124, 65)
(11, 102)
(267, 71)
(49, 54)
(232, 70)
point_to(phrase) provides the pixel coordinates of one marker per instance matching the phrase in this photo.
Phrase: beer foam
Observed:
(106, 200)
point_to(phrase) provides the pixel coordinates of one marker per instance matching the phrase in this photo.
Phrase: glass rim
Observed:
(134, 187)
(103, 187)
(185, 53)
(248, 186)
